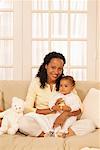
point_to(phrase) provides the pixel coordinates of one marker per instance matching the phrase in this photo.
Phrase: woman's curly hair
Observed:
(42, 72)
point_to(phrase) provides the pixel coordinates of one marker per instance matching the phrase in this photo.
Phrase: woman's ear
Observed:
(46, 66)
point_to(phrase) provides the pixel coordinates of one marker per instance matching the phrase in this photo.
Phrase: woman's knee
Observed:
(29, 126)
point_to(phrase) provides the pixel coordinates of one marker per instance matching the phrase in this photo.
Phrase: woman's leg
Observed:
(42, 134)
(29, 126)
(83, 127)
(70, 132)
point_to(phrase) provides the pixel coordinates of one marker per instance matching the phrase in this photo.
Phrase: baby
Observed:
(64, 100)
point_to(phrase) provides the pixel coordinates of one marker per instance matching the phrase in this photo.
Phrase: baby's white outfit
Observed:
(72, 100)
(46, 121)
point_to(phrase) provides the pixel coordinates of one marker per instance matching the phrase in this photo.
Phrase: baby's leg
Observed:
(65, 129)
(68, 123)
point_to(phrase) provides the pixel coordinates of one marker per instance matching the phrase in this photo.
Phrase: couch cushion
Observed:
(19, 142)
(13, 88)
(91, 106)
(78, 142)
(83, 87)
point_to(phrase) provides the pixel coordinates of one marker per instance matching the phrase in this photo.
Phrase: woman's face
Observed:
(54, 69)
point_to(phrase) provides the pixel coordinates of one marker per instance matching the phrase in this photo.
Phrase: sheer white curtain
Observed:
(29, 29)
(61, 25)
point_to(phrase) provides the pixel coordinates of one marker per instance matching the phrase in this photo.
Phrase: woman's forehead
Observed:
(57, 61)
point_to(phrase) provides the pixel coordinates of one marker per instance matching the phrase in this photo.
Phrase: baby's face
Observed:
(65, 86)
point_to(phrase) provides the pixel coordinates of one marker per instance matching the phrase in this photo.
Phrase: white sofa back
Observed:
(19, 89)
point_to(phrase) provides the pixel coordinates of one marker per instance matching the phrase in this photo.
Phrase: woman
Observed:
(40, 91)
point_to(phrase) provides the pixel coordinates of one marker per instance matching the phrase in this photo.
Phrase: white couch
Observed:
(22, 142)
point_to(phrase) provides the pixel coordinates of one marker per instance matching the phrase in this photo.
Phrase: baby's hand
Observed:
(58, 101)
(66, 108)
(56, 108)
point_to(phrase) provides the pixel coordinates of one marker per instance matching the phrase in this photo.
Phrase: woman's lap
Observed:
(29, 126)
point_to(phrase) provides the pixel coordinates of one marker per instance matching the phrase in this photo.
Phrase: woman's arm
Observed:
(74, 113)
(62, 117)
(44, 111)
(31, 96)
(65, 115)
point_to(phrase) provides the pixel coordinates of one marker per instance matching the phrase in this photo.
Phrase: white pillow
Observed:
(91, 105)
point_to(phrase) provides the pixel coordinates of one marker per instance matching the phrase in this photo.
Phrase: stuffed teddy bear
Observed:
(11, 116)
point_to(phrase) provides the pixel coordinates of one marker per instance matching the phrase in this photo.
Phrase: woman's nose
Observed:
(56, 71)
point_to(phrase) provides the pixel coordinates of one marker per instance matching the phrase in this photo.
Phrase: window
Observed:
(61, 26)
(39, 27)
(10, 39)
(6, 40)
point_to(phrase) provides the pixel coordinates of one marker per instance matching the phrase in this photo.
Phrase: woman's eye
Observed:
(60, 69)
(53, 67)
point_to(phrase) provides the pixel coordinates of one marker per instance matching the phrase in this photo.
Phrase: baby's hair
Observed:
(70, 78)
